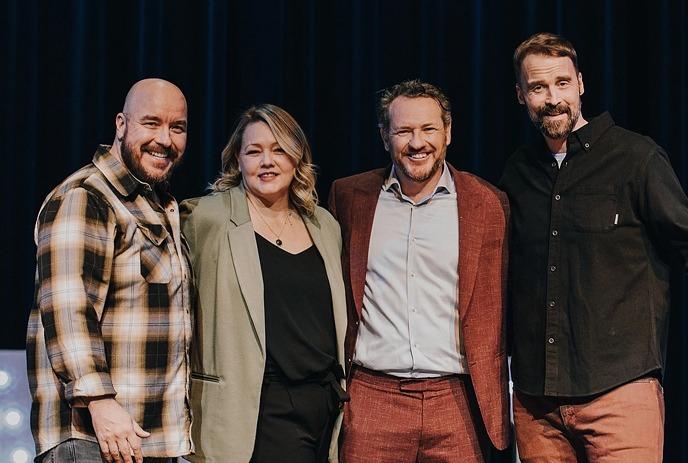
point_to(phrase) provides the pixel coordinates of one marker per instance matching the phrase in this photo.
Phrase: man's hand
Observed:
(119, 436)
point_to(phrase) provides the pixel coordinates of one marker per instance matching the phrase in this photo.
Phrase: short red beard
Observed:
(423, 177)
(555, 130)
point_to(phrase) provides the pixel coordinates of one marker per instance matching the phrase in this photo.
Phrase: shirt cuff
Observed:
(90, 385)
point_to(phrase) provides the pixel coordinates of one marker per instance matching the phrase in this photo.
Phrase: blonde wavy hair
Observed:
(290, 138)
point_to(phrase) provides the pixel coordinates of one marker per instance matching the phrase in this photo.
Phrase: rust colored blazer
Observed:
(483, 226)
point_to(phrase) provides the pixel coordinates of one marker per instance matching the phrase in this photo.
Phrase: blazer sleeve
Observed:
(332, 200)
(186, 210)
(506, 280)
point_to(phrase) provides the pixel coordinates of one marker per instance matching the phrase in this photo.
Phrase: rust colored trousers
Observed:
(624, 425)
(394, 420)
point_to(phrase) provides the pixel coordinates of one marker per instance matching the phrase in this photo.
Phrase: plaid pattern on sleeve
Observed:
(112, 311)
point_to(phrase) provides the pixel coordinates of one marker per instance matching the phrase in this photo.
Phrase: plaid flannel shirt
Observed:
(112, 310)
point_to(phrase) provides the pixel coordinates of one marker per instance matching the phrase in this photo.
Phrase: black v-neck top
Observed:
(299, 324)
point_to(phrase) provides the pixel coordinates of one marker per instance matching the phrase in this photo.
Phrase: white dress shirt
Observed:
(410, 319)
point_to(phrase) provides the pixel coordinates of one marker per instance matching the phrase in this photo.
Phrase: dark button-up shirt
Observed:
(591, 246)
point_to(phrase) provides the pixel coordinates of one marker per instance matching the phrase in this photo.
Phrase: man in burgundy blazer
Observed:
(422, 390)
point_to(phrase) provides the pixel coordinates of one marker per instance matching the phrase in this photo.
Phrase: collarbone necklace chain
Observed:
(287, 218)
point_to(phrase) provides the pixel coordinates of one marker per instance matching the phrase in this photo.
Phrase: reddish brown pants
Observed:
(624, 425)
(409, 421)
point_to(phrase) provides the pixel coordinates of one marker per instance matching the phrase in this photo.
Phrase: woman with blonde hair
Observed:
(266, 381)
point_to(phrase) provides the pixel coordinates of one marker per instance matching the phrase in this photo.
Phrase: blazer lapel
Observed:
(470, 238)
(363, 212)
(242, 244)
(331, 259)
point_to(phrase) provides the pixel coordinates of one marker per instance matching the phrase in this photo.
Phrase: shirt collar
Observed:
(120, 177)
(581, 140)
(586, 137)
(444, 185)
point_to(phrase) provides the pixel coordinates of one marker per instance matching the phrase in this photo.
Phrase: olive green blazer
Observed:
(228, 349)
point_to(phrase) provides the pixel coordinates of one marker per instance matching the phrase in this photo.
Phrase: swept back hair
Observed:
(415, 88)
(543, 43)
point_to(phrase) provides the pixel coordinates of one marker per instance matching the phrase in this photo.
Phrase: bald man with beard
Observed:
(109, 333)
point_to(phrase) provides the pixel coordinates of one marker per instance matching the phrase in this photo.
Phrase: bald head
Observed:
(150, 89)
(151, 129)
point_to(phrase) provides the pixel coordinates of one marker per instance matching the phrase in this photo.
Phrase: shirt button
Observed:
(552, 268)
(414, 309)
(555, 233)
(413, 275)
(552, 303)
(557, 197)
(550, 340)
(587, 145)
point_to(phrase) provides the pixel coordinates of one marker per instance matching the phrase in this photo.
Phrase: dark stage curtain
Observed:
(67, 65)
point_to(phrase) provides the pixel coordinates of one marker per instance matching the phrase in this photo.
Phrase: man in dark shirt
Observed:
(597, 217)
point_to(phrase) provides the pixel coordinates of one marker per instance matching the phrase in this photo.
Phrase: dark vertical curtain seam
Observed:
(100, 72)
(77, 90)
(663, 71)
(310, 123)
(11, 94)
(160, 44)
(357, 70)
(608, 78)
(143, 25)
(210, 98)
(477, 87)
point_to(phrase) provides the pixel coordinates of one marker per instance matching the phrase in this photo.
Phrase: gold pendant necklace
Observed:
(278, 241)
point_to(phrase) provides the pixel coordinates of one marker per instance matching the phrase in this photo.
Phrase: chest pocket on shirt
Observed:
(154, 256)
(594, 209)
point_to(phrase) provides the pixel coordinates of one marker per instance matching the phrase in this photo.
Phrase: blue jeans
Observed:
(84, 451)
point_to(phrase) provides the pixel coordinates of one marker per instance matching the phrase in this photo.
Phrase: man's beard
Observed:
(555, 130)
(421, 176)
(133, 162)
